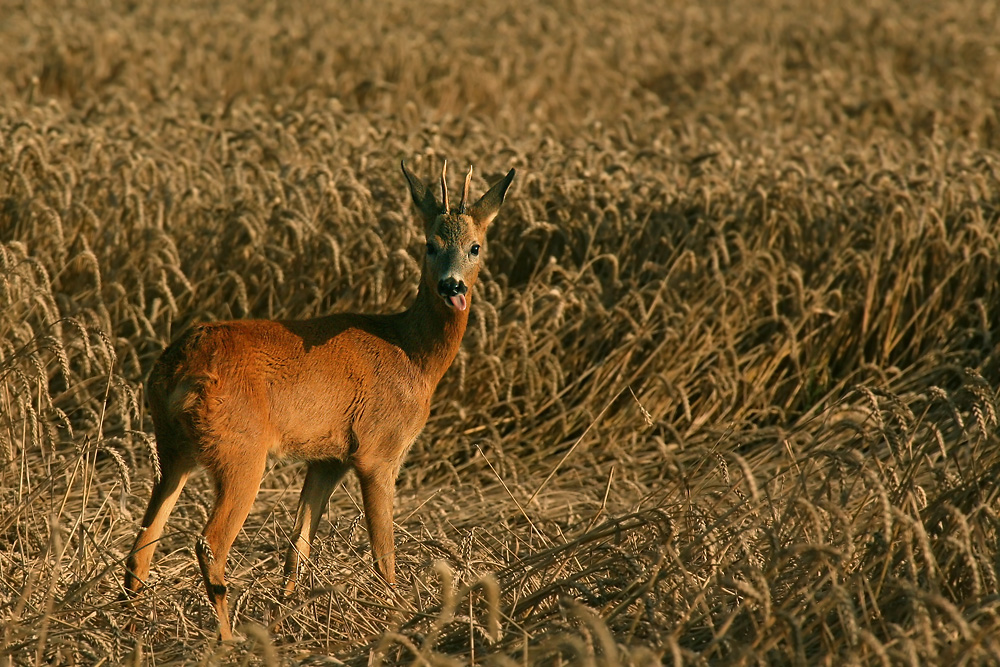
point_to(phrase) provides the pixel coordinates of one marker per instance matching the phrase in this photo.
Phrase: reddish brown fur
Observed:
(342, 391)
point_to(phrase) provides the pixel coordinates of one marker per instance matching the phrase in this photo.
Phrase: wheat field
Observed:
(729, 389)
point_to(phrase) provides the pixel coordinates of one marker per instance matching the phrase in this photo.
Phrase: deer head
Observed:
(455, 237)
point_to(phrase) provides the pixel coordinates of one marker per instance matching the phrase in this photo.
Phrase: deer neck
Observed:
(433, 332)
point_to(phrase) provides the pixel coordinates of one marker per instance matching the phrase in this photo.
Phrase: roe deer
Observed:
(341, 391)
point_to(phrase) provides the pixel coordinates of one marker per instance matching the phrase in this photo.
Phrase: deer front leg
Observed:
(321, 479)
(378, 486)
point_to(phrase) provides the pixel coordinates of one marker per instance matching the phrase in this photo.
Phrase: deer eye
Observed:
(475, 249)
(431, 250)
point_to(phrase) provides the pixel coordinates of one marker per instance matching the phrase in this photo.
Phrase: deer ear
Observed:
(484, 210)
(422, 196)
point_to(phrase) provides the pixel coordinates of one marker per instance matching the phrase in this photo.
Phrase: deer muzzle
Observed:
(453, 292)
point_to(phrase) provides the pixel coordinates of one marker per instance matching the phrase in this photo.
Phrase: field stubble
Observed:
(729, 388)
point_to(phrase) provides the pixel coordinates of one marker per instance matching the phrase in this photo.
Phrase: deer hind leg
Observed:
(321, 478)
(175, 466)
(236, 488)
(378, 486)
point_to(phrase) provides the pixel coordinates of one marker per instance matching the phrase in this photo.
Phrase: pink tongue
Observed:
(458, 301)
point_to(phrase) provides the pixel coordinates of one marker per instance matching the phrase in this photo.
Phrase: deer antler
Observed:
(444, 188)
(465, 191)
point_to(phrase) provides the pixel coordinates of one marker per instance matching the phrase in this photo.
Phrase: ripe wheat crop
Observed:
(729, 389)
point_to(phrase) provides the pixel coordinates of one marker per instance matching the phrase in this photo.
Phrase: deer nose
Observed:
(451, 287)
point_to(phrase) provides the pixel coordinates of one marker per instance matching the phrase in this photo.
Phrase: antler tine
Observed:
(465, 191)
(444, 188)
